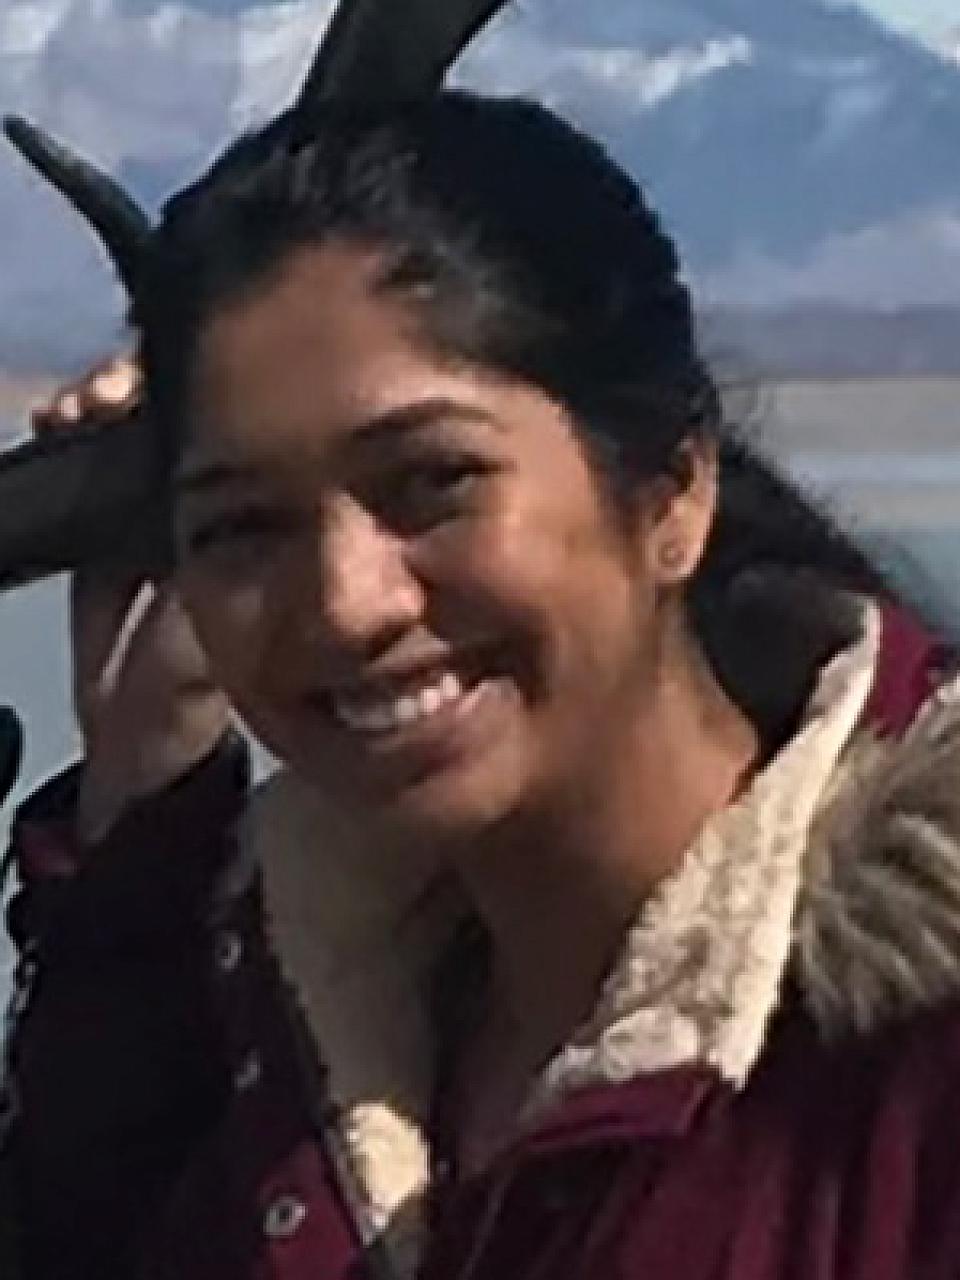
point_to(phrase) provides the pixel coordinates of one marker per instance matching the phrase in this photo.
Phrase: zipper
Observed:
(324, 1120)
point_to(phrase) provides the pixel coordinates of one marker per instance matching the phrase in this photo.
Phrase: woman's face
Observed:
(404, 572)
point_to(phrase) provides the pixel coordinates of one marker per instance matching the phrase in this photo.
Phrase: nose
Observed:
(367, 596)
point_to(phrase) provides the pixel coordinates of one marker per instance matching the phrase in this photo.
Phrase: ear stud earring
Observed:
(673, 556)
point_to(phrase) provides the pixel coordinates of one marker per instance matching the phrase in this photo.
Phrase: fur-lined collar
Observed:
(840, 867)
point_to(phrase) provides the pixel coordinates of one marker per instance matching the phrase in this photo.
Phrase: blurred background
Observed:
(806, 154)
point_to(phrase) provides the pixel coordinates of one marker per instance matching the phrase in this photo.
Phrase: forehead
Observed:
(314, 342)
(317, 354)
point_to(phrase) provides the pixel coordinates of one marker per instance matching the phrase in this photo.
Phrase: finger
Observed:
(111, 391)
(101, 603)
(128, 635)
(107, 394)
(68, 408)
(165, 642)
(158, 677)
(64, 411)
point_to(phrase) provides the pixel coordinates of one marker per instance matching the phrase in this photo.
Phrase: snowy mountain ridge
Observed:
(799, 149)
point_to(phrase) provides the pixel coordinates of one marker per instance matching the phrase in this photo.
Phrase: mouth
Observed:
(410, 703)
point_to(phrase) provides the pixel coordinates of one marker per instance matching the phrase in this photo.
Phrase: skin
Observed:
(353, 508)
(146, 703)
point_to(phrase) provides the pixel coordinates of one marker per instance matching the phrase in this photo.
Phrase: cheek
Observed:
(554, 590)
(488, 580)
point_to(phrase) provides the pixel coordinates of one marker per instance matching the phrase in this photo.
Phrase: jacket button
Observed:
(228, 950)
(284, 1217)
(248, 1074)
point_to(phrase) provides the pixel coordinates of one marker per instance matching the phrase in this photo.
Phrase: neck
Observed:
(559, 889)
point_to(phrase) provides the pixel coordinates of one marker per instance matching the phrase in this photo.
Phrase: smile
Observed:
(374, 712)
(415, 704)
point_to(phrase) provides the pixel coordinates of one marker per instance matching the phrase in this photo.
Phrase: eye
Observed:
(431, 491)
(251, 532)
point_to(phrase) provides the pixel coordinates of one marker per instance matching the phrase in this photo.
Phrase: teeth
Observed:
(407, 710)
(450, 688)
(368, 716)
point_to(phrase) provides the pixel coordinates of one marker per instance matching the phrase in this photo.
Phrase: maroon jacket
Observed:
(171, 1116)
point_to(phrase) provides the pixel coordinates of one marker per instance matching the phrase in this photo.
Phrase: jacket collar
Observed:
(700, 972)
(840, 869)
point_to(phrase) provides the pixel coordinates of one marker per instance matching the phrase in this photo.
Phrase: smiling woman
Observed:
(397, 528)
(529, 302)
(614, 864)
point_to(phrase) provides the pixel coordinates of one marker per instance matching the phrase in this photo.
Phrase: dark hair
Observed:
(522, 247)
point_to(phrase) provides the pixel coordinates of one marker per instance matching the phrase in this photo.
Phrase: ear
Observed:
(679, 515)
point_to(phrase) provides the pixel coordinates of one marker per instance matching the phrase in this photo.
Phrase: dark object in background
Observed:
(75, 498)
(11, 750)
(70, 500)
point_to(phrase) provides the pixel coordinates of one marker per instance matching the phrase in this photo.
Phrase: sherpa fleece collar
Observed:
(840, 866)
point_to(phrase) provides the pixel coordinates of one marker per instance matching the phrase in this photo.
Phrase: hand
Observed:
(145, 702)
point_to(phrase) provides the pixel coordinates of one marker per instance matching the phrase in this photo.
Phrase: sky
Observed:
(823, 114)
(929, 17)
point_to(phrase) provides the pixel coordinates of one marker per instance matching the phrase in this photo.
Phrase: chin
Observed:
(448, 808)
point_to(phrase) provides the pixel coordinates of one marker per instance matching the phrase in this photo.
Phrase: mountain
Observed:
(798, 148)
(774, 135)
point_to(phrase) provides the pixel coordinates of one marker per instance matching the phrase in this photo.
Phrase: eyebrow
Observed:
(392, 423)
(212, 475)
(408, 418)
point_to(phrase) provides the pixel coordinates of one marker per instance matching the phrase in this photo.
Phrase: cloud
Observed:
(151, 89)
(275, 43)
(646, 81)
(149, 93)
(524, 61)
(122, 82)
(134, 82)
(755, 125)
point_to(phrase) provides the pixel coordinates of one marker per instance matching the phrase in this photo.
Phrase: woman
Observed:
(605, 921)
